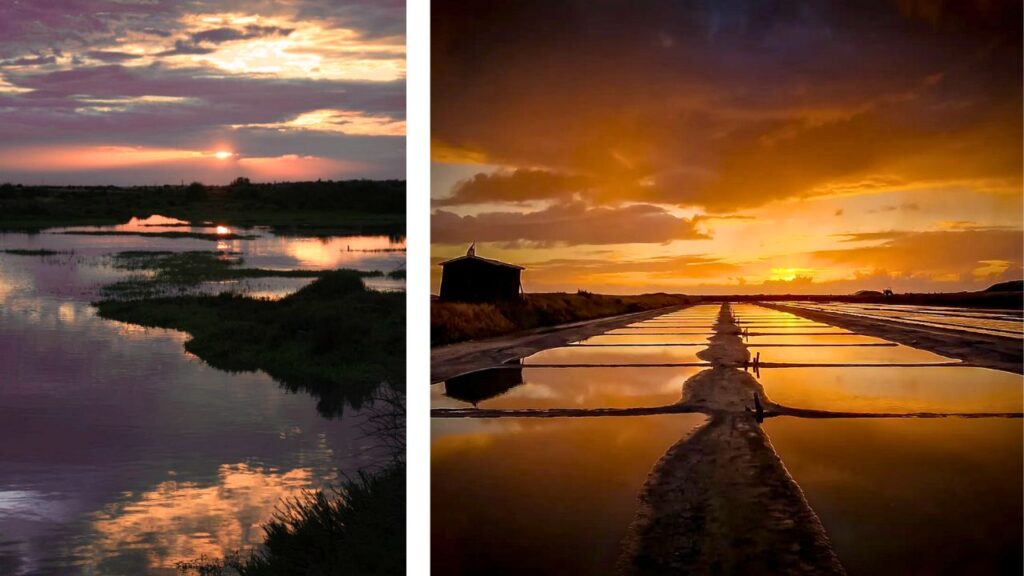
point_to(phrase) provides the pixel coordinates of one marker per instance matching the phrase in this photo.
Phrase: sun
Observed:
(223, 154)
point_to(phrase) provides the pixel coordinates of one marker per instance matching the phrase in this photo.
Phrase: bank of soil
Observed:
(456, 359)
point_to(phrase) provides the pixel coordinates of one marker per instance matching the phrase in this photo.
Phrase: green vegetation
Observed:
(39, 252)
(319, 208)
(334, 338)
(456, 321)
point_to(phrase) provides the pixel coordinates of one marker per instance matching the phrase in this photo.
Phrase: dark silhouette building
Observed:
(471, 278)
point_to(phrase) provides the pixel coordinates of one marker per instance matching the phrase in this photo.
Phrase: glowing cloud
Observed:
(340, 121)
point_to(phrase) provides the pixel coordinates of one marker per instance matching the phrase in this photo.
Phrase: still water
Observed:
(895, 390)
(911, 496)
(543, 495)
(122, 454)
(540, 388)
(897, 496)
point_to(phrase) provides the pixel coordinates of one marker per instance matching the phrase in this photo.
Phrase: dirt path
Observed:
(720, 501)
(456, 359)
(1000, 353)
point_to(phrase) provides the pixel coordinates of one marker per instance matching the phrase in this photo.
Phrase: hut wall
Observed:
(477, 281)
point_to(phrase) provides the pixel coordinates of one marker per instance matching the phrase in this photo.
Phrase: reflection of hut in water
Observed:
(482, 385)
(471, 278)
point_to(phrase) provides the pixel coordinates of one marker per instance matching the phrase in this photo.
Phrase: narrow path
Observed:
(720, 501)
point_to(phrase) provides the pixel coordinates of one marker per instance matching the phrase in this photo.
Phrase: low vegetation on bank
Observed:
(334, 338)
(357, 529)
(318, 208)
(457, 321)
(159, 273)
(1008, 299)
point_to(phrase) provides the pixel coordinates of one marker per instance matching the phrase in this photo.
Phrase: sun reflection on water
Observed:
(181, 521)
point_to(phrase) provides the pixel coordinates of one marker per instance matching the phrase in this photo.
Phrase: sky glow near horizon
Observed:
(740, 147)
(150, 91)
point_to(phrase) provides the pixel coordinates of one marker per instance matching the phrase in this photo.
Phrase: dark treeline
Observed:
(983, 299)
(287, 205)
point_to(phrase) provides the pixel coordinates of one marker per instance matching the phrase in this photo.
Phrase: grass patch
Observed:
(333, 339)
(163, 272)
(357, 529)
(456, 321)
(39, 252)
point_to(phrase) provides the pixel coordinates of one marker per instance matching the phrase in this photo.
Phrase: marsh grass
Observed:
(161, 273)
(333, 339)
(458, 321)
(354, 530)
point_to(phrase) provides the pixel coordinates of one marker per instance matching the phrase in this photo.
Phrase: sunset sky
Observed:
(730, 147)
(159, 91)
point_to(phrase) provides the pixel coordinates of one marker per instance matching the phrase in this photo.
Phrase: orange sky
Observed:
(731, 149)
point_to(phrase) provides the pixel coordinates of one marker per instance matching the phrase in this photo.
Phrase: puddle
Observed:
(540, 496)
(604, 355)
(541, 388)
(911, 496)
(866, 389)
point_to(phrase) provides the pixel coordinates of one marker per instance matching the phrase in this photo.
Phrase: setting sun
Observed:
(223, 154)
(223, 230)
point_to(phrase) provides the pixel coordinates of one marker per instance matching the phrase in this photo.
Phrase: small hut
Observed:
(471, 278)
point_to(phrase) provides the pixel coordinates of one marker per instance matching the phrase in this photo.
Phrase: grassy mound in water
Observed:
(358, 529)
(458, 321)
(164, 272)
(333, 339)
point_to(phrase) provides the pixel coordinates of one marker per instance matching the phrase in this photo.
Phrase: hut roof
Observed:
(487, 260)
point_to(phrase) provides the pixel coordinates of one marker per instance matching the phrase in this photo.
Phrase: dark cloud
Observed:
(30, 61)
(110, 55)
(52, 93)
(729, 105)
(514, 186)
(569, 223)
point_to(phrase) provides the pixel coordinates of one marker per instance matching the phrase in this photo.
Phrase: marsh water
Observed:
(556, 494)
(120, 453)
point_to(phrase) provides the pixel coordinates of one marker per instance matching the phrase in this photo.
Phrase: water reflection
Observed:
(910, 496)
(542, 388)
(612, 355)
(849, 355)
(895, 390)
(95, 415)
(177, 520)
(540, 496)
